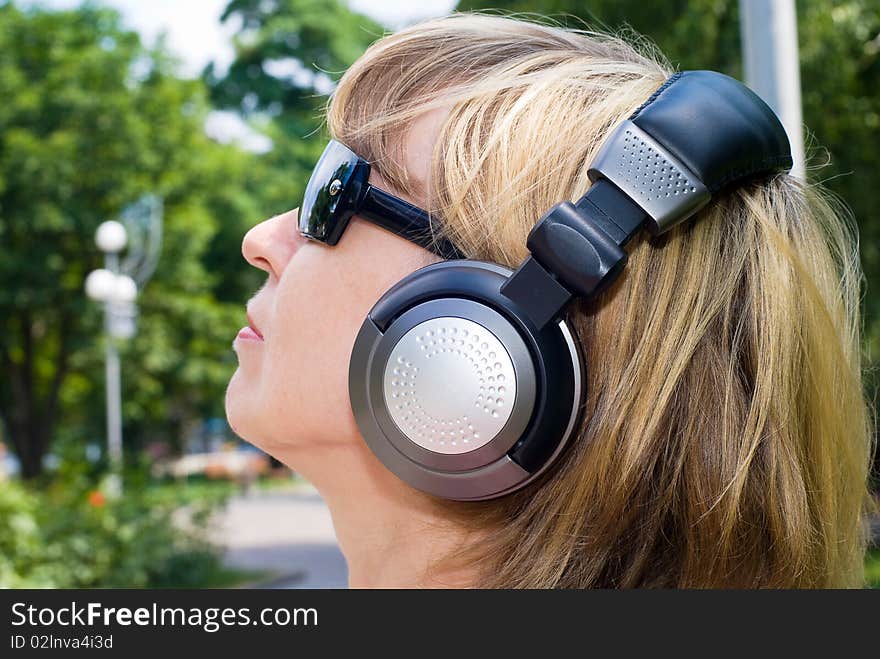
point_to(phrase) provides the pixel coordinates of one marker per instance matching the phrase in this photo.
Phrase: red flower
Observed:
(97, 499)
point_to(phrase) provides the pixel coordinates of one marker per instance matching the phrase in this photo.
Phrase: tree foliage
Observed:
(288, 54)
(90, 121)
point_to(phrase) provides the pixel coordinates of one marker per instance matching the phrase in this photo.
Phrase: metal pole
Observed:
(768, 29)
(114, 394)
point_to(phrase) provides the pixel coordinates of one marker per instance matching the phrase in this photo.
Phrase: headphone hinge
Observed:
(568, 243)
(540, 295)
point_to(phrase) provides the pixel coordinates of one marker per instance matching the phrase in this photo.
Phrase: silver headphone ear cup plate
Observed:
(449, 385)
(520, 405)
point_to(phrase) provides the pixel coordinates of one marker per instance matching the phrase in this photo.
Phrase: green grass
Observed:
(226, 577)
(284, 483)
(194, 488)
(872, 567)
(198, 487)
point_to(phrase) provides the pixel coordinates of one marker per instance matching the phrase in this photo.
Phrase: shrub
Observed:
(72, 534)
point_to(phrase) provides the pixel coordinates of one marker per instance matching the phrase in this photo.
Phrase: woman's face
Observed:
(291, 386)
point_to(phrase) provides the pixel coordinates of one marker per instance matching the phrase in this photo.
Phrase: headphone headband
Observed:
(699, 133)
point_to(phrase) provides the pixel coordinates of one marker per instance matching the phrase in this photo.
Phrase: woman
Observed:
(724, 439)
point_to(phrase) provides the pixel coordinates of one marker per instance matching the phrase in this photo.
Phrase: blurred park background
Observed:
(189, 123)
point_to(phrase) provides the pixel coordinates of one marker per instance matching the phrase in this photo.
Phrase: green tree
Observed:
(288, 53)
(90, 121)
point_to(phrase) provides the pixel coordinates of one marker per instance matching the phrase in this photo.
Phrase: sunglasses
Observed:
(339, 189)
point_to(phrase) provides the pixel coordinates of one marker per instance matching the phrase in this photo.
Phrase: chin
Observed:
(236, 407)
(246, 414)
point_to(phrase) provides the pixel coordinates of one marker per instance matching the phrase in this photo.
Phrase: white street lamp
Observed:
(124, 290)
(111, 236)
(100, 285)
(107, 286)
(116, 288)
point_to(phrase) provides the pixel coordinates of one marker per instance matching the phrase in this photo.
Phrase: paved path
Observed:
(286, 531)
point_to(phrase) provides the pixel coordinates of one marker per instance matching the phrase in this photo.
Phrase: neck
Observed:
(391, 535)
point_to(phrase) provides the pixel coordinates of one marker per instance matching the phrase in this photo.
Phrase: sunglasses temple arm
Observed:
(404, 219)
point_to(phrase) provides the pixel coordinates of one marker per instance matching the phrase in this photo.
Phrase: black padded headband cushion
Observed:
(717, 127)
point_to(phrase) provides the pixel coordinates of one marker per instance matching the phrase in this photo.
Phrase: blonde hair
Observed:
(725, 440)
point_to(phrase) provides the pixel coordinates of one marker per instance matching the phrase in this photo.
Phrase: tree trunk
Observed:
(32, 457)
(29, 417)
(28, 441)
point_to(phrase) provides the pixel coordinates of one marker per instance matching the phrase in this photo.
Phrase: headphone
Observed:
(465, 378)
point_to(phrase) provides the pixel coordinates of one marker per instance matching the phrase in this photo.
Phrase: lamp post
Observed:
(117, 292)
(116, 286)
(768, 29)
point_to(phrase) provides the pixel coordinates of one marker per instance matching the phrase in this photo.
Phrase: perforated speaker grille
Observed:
(449, 385)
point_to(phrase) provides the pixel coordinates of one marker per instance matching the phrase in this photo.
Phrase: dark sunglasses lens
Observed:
(318, 218)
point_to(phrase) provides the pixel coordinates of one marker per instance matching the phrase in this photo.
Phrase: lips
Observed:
(253, 325)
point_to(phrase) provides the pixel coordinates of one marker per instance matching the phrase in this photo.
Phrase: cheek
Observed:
(305, 371)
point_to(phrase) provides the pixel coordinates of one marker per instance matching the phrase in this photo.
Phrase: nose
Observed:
(272, 243)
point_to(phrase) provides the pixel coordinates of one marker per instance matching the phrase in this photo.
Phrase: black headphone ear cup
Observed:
(448, 384)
